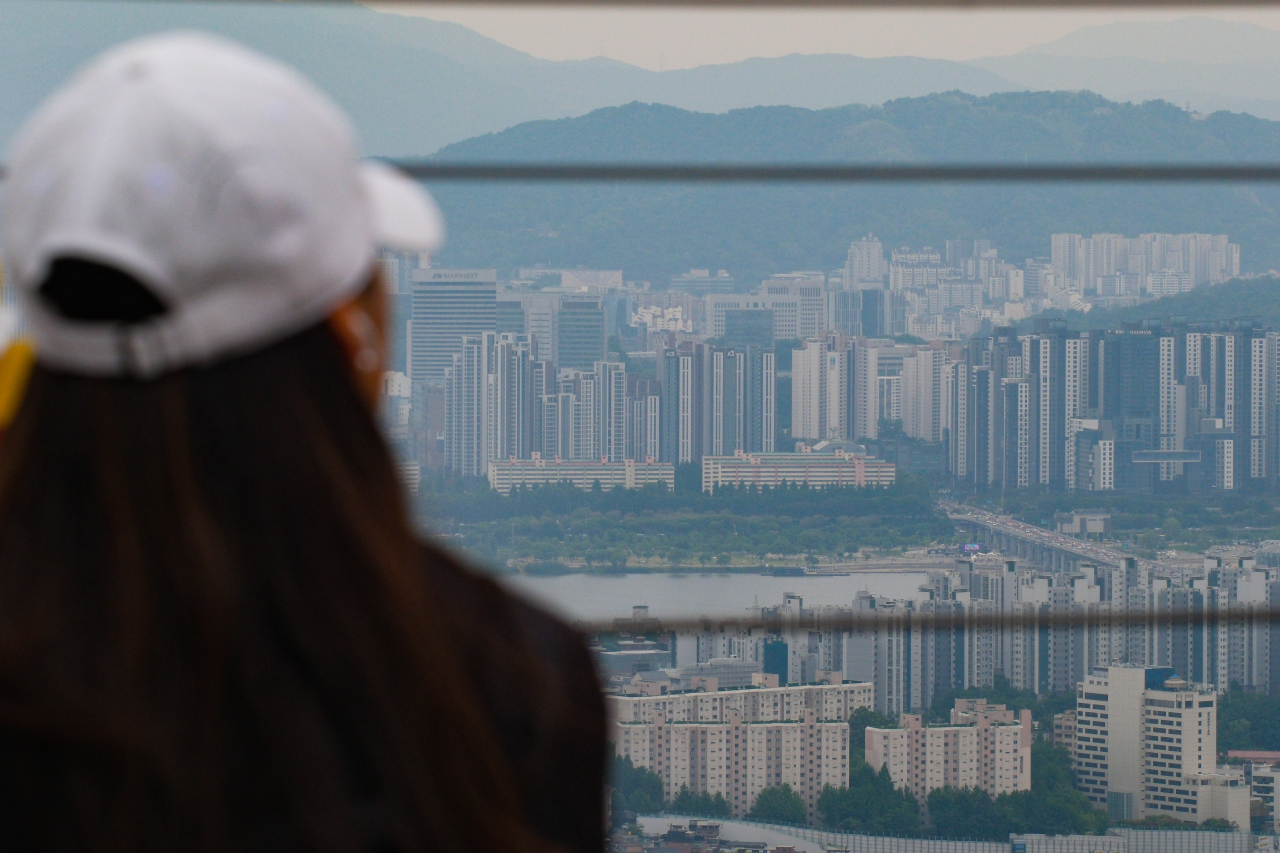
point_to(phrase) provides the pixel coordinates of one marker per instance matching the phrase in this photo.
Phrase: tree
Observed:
(779, 805)
(870, 805)
(636, 790)
(1218, 824)
(858, 723)
(968, 813)
(702, 804)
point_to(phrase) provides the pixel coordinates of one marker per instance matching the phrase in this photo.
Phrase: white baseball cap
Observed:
(223, 181)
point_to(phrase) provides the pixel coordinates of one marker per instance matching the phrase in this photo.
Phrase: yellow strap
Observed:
(15, 370)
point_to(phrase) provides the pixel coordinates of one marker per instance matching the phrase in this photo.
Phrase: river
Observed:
(670, 596)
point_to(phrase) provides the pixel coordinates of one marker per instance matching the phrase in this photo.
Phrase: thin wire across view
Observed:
(839, 173)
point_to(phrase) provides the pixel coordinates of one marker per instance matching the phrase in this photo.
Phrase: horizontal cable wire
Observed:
(917, 619)
(800, 4)
(837, 173)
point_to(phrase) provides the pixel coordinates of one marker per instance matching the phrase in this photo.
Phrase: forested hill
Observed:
(1257, 299)
(652, 231)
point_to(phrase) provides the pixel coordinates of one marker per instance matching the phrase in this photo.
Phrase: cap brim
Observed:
(405, 217)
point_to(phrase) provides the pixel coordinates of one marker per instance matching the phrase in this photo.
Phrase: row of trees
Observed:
(472, 501)
(638, 791)
(555, 523)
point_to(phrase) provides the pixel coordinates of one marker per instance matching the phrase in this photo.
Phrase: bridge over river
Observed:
(1035, 545)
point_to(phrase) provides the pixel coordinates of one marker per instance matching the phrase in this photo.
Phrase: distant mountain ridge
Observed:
(412, 84)
(1206, 63)
(656, 230)
(1194, 38)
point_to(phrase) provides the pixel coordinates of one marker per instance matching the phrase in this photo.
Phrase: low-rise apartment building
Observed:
(755, 704)
(738, 758)
(768, 470)
(986, 747)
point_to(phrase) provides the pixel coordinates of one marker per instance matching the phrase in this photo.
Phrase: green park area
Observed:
(558, 528)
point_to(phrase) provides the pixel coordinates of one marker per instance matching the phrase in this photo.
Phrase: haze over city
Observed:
(670, 38)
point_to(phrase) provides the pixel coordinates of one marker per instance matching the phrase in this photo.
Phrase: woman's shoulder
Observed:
(537, 680)
(481, 606)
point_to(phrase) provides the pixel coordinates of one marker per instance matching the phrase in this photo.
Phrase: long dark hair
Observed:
(213, 631)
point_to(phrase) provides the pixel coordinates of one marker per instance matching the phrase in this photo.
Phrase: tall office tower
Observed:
(682, 372)
(1130, 399)
(539, 312)
(580, 337)
(611, 414)
(465, 450)
(509, 404)
(448, 305)
(1146, 744)
(511, 318)
(864, 268)
(748, 327)
(957, 252)
(876, 319)
(807, 291)
(644, 416)
(896, 313)
(844, 312)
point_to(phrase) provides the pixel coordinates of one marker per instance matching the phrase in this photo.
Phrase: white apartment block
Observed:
(1165, 263)
(865, 264)
(583, 474)
(992, 752)
(1146, 744)
(768, 470)
(754, 704)
(739, 759)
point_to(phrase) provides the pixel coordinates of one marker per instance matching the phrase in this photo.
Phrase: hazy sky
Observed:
(681, 38)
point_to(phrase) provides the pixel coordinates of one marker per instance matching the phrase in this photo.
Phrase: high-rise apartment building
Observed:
(448, 305)
(580, 333)
(864, 268)
(716, 401)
